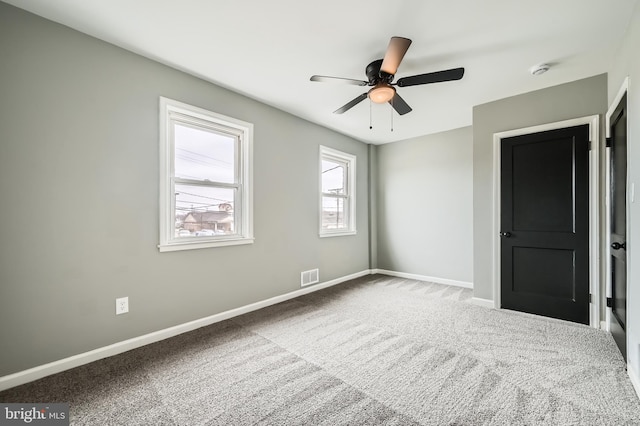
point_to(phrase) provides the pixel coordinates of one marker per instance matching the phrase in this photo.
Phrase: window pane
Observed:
(333, 174)
(203, 154)
(203, 211)
(333, 213)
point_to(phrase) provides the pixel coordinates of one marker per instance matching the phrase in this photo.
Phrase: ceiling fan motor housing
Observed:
(374, 75)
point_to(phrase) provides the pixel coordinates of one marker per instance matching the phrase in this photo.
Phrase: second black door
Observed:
(545, 223)
(618, 231)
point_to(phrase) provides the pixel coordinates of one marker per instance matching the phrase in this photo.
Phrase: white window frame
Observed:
(349, 197)
(171, 112)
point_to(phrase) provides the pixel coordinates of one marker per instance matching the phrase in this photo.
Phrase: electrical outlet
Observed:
(122, 305)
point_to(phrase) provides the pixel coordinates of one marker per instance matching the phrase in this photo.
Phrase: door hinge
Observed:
(590, 298)
(608, 144)
(609, 302)
(589, 145)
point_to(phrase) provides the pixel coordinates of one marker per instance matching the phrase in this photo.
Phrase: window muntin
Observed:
(337, 197)
(206, 181)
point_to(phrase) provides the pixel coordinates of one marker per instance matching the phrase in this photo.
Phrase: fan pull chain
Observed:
(370, 113)
(392, 113)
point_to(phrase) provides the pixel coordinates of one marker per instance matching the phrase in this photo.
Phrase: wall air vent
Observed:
(309, 277)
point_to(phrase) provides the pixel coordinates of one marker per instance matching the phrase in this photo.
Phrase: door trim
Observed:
(594, 244)
(624, 88)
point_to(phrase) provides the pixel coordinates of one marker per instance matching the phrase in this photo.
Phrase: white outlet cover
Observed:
(122, 305)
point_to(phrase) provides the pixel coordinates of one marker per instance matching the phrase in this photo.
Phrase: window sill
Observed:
(192, 245)
(336, 234)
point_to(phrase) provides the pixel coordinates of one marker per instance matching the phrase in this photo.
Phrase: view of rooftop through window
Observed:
(205, 164)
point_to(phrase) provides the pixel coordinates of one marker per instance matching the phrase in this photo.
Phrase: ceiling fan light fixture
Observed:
(382, 93)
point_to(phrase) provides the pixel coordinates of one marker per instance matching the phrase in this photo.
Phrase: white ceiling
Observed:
(267, 50)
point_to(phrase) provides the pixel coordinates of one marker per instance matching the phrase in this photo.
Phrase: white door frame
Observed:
(624, 88)
(594, 245)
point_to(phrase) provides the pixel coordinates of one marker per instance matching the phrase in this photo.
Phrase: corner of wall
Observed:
(372, 155)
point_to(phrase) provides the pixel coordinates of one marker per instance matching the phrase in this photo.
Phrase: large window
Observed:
(205, 178)
(337, 193)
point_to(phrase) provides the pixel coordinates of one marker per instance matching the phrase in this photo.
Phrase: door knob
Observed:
(618, 246)
(505, 234)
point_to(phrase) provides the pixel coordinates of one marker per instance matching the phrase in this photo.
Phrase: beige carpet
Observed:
(373, 351)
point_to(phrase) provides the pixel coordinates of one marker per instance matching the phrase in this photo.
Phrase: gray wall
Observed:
(571, 100)
(425, 209)
(628, 64)
(79, 199)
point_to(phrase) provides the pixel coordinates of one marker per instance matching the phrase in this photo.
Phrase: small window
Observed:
(205, 182)
(337, 193)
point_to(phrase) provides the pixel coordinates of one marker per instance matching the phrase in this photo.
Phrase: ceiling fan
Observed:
(380, 75)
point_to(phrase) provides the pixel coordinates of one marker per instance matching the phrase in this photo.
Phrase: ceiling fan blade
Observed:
(431, 77)
(327, 79)
(399, 105)
(351, 104)
(395, 52)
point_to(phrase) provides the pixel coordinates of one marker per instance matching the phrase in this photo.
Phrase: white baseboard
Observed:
(445, 281)
(487, 303)
(635, 379)
(54, 367)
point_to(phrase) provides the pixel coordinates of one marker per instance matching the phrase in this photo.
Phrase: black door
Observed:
(617, 144)
(545, 223)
